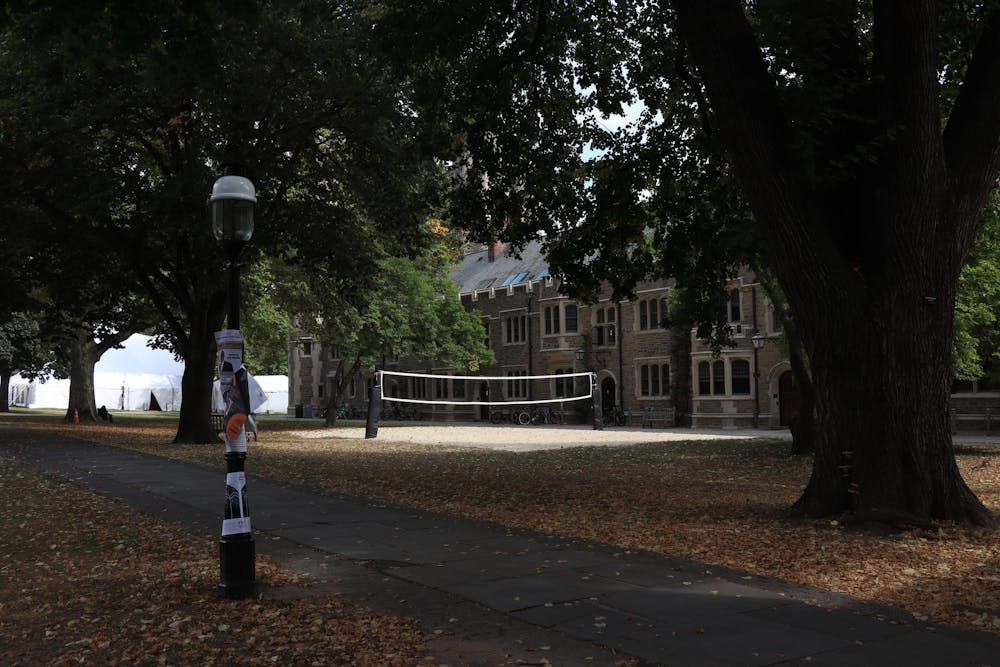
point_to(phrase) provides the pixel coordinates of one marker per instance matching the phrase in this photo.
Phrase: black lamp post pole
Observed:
(233, 200)
(237, 552)
(233, 250)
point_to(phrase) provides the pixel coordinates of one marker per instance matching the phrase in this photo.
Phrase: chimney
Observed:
(494, 250)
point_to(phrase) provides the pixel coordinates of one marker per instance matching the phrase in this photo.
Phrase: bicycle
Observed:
(615, 416)
(546, 415)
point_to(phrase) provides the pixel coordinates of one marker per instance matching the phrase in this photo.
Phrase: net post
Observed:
(374, 408)
(595, 398)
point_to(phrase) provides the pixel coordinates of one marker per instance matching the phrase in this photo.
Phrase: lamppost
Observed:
(233, 199)
(758, 343)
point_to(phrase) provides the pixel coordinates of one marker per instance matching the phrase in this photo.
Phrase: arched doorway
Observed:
(608, 394)
(788, 397)
(484, 395)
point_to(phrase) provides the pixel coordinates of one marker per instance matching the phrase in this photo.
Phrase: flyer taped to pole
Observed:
(234, 383)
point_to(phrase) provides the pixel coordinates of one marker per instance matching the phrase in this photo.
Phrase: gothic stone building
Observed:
(642, 369)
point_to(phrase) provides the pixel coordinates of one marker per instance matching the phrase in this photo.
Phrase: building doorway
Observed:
(788, 397)
(484, 395)
(608, 394)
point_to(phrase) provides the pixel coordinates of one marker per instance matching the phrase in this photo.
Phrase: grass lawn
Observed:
(720, 502)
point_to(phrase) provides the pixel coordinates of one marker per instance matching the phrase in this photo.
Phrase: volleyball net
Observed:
(568, 380)
(419, 387)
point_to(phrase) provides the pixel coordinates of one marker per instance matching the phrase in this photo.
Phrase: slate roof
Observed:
(475, 272)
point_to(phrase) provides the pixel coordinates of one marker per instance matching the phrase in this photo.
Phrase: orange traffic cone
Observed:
(76, 416)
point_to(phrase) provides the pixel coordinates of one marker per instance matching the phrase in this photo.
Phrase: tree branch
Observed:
(972, 136)
(756, 132)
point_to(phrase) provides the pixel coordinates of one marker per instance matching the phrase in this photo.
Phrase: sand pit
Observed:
(534, 438)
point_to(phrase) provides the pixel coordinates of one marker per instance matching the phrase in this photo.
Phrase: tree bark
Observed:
(680, 366)
(83, 357)
(874, 296)
(804, 426)
(4, 392)
(194, 423)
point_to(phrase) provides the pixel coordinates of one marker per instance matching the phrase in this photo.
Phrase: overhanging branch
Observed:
(972, 136)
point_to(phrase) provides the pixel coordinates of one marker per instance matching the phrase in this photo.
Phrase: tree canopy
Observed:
(407, 307)
(157, 98)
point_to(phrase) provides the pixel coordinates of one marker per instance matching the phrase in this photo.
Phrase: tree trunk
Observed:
(883, 446)
(83, 357)
(195, 421)
(804, 425)
(680, 368)
(869, 264)
(4, 392)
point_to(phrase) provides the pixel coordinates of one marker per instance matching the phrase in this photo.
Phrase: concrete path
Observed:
(490, 595)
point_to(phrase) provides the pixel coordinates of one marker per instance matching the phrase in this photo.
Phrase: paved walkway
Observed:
(490, 595)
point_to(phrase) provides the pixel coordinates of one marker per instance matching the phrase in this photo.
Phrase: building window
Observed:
(570, 313)
(307, 348)
(440, 388)
(563, 386)
(517, 384)
(735, 314)
(551, 320)
(777, 319)
(718, 377)
(321, 388)
(740, 372)
(419, 387)
(654, 380)
(652, 312)
(458, 388)
(704, 378)
(604, 331)
(516, 329)
(712, 378)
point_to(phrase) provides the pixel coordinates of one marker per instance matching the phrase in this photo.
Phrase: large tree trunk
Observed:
(884, 448)
(680, 367)
(869, 263)
(195, 421)
(83, 357)
(4, 392)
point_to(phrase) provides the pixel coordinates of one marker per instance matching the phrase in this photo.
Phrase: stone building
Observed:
(643, 370)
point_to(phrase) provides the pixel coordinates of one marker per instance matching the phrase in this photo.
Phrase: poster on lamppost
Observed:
(236, 518)
(235, 385)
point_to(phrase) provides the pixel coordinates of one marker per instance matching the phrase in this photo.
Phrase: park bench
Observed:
(652, 418)
(971, 421)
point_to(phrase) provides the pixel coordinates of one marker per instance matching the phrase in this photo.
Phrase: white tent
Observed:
(48, 393)
(135, 377)
(116, 391)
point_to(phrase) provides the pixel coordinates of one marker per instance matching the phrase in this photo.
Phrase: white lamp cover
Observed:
(233, 199)
(233, 187)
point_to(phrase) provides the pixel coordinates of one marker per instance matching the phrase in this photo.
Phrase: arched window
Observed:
(704, 378)
(652, 313)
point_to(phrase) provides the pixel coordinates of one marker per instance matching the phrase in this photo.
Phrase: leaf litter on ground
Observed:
(724, 503)
(86, 580)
